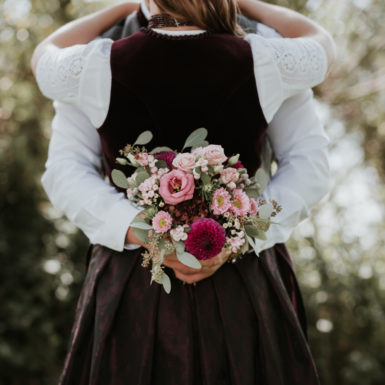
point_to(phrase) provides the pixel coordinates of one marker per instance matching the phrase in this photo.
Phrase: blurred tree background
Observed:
(339, 252)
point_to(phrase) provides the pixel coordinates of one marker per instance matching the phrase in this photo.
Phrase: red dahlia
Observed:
(206, 238)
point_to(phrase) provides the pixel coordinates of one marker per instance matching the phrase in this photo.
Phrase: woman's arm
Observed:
(83, 30)
(289, 24)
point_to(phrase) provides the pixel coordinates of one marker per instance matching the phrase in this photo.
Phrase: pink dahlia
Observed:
(240, 204)
(206, 238)
(167, 156)
(162, 221)
(221, 201)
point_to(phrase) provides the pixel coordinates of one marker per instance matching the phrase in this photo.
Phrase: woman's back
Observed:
(173, 84)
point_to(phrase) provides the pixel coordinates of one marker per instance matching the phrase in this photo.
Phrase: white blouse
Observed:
(80, 75)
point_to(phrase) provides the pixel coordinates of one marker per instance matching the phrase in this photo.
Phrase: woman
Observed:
(238, 324)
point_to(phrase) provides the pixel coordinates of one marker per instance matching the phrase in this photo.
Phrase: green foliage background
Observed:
(341, 267)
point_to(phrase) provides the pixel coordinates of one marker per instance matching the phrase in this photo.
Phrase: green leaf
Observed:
(161, 164)
(144, 138)
(141, 175)
(141, 234)
(265, 210)
(189, 260)
(252, 243)
(160, 149)
(196, 138)
(119, 179)
(139, 219)
(250, 230)
(163, 244)
(205, 178)
(122, 161)
(179, 246)
(261, 235)
(143, 226)
(204, 143)
(166, 283)
(252, 192)
(262, 179)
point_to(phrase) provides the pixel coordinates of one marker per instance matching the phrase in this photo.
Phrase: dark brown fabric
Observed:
(237, 327)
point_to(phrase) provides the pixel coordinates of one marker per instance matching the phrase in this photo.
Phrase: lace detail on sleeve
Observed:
(301, 61)
(267, 32)
(72, 74)
(284, 67)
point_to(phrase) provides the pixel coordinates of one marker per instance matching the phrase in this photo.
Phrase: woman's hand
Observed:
(190, 275)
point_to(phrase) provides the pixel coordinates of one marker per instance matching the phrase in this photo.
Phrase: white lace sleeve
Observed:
(267, 32)
(79, 75)
(284, 67)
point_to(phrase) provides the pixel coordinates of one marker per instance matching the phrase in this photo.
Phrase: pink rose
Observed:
(185, 162)
(214, 154)
(176, 186)
(229, 175)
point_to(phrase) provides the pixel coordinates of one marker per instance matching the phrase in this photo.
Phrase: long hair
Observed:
(213, 15)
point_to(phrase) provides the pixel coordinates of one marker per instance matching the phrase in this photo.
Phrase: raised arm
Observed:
(289, 24)
(83, 30)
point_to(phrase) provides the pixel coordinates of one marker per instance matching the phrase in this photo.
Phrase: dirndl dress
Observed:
(244, 325)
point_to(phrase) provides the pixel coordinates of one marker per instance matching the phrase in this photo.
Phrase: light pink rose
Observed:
(184, 161)
(198, 151)
(214, 154)
(176, 186)
(229, 175)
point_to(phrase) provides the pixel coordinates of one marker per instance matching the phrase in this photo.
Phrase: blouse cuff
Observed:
(113, 232)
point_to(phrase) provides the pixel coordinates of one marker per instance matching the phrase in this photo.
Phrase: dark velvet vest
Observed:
(172, 85)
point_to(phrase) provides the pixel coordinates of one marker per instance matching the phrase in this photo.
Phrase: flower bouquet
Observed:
(195, 202)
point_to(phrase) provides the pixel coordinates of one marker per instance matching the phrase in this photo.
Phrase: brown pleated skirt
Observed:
(244, 325)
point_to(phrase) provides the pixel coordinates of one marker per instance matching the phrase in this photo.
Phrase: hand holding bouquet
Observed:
(196, 203)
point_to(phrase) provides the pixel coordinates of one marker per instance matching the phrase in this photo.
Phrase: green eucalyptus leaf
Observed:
(265, 210)
(188, 260)
(166, 283)
(262, 179)
(119, 179)
(141, 234)
(205, 178)
(142, 175)
(139, 219)
(252, 192)
(161, 164)
(161, 149)
(251, 230)
(261, 235)
(122, 161)
(144, 138)
(179, 246)
(196, 138)
(252, 243)
(143, 226)
(204, 143)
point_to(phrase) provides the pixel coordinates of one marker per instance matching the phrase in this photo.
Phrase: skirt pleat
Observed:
(244, 325)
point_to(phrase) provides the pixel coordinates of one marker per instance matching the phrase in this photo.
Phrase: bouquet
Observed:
(195, 202)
